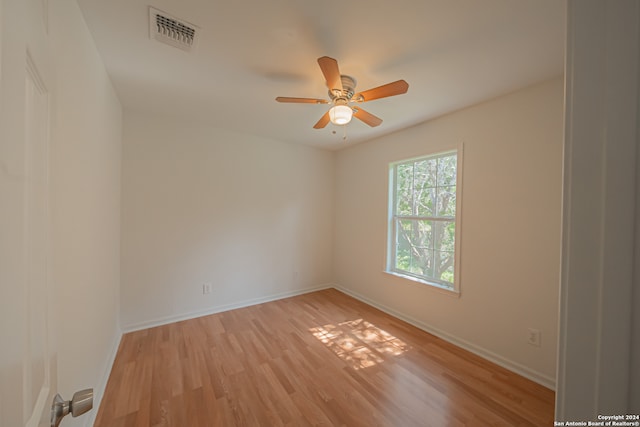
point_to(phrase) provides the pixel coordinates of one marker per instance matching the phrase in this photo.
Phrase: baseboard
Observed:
(221, 308)
(517, 368)
(99, 389)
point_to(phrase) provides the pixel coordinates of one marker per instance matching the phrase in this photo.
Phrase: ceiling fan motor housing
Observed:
(348, 88)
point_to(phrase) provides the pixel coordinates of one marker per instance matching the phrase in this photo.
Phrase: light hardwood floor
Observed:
(320, 359)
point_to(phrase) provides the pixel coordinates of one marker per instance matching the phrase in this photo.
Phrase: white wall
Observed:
(251, 216)
(510, 228)
(85, 204)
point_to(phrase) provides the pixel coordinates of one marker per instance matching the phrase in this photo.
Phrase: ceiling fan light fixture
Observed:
(340, 114)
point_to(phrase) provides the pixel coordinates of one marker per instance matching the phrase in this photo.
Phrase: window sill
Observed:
(431, 285)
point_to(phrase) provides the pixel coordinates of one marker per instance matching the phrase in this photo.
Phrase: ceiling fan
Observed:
(342, 93)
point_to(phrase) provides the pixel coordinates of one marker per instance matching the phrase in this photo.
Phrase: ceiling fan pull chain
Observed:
(344, 134)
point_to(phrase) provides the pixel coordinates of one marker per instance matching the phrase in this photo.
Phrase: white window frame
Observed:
(393, 219)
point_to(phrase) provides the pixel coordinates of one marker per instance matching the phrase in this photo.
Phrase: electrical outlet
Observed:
(206, 288)
(534, 337)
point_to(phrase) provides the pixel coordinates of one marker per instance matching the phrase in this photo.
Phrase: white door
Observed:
(27, 351)
(39, 379)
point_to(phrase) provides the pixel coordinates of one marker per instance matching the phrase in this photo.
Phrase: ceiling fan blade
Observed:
(324, 120)
(301, 100)
(329, 67)
(366, 117)
(390, 89)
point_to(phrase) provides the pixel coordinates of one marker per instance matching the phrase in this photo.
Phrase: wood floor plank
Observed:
(319, 359)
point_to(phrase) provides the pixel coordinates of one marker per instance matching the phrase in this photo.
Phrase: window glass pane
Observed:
(404, 189)
(446, 201)
(413, 266)
(426, 200)
(403, 245)
(445, 235)
(424, 237)
(425, 173)
(414, 248)
(422, 262)
(447, 170)
(444, 266)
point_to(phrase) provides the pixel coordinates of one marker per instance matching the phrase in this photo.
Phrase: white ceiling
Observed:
(453, 53)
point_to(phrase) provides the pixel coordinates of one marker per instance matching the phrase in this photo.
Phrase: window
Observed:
(423, 218)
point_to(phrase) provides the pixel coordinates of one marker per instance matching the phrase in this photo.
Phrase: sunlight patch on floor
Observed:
(359, 343)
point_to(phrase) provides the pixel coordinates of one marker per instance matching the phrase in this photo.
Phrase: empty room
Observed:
(293, 213)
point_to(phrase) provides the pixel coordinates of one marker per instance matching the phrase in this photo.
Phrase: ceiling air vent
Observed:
(172, 31)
